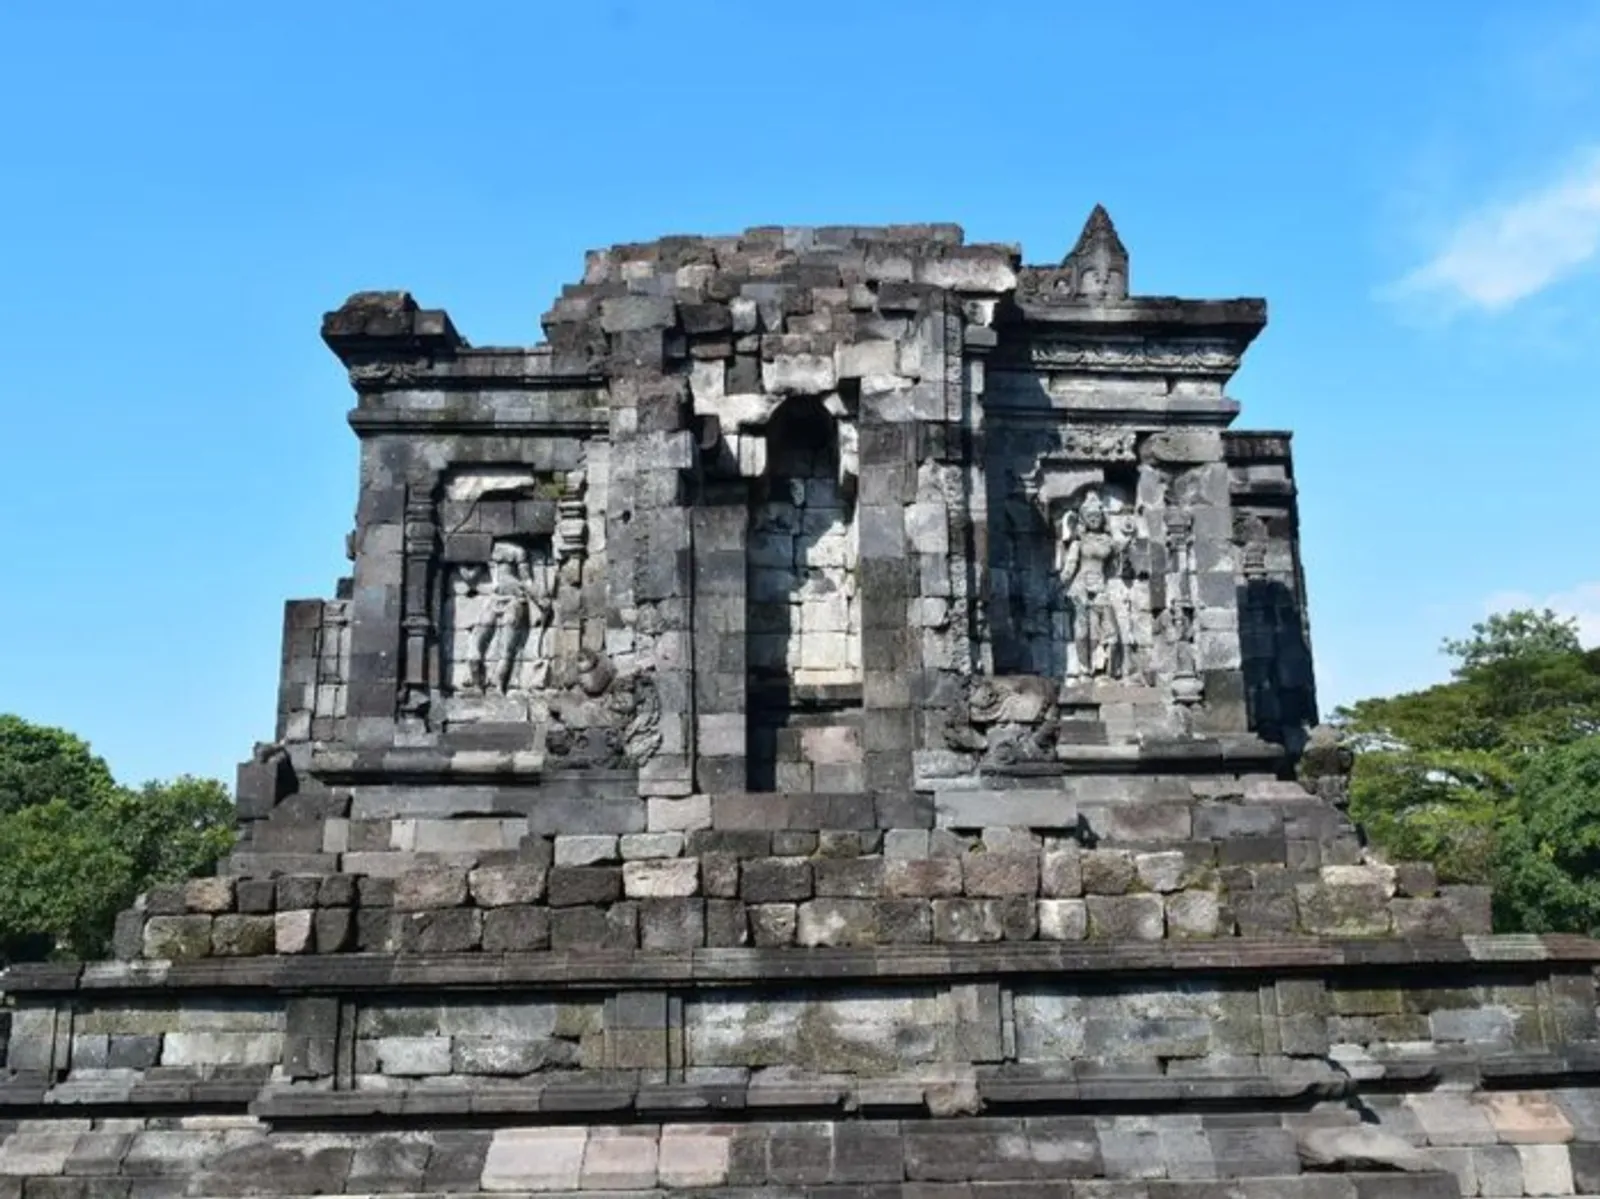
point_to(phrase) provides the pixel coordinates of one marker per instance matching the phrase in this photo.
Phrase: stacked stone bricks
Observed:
(833, 720)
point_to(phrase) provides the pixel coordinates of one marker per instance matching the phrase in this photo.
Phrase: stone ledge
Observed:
(602, 968)
(1281, 1082)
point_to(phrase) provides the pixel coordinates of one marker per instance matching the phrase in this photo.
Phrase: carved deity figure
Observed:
(515, 611)
(1089, 559)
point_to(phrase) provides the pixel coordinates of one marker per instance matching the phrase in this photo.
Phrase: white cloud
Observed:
(1581, 602)
(1505, 252)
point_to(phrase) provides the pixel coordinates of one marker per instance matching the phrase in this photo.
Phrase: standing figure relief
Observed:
(513, 614)
(1090, 558)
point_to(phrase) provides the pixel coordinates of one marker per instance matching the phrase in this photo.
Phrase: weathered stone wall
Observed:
(833, 721)
(770, 887)
(1060, 1072)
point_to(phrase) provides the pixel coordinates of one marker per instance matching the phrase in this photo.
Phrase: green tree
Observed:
(39, 764)
(1452, 774)
(1549, 866)
(75, 848)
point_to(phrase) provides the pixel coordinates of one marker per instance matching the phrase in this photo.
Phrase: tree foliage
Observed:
(39, 764)
(76, 848)
(1482, 775)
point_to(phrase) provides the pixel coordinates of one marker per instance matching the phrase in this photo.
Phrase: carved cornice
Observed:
(384, 376)
(360, 972)
(371, 421)
(1250, 446)
(1211, 358)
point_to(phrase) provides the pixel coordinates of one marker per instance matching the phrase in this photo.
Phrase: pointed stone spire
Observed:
(1097, 268)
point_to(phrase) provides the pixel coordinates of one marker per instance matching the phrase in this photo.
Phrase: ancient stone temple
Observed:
(834, 719)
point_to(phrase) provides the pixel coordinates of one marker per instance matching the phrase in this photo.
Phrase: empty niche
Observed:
(804, 617)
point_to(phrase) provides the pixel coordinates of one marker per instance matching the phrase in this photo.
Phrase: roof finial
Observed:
(1097, 268)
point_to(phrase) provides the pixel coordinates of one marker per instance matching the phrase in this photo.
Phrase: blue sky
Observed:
(187, 186)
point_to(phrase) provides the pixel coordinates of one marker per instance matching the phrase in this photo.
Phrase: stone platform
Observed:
(835, 719)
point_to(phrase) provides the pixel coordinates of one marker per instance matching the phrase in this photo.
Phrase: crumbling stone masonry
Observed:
(833, 720)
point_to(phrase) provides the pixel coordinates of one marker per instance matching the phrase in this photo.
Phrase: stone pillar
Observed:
(721, 680)
(376, 606)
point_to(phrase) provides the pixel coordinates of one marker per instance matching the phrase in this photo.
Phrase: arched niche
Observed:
(803, 619)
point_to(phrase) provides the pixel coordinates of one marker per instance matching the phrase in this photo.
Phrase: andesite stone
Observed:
(834, 719)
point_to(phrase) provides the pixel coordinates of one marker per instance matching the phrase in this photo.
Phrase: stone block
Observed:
(1126, 917)
(1424, 919)
(1527, 1118)
(446, 930)
(535, 1159)
(672, 924)
(177, 937)
(165, 899)
(337, 891)
(727, 926)
(967, 921)
(1451, 1118)
(292, 931)
(1000, 875)
(1107, 871)
(1546, 1170)
(849, 878)
(570, 886)
(212, 896)
(515, 929)
(979, 808)
(590, 928)
(335, 929)
(133, 1052)
(127, 935)
(298, 891)
(664, 815)
(903, 921)
(428, 888)
(692, 1156)
(795, 842)
(619, 1160)
(905, 843)
(1343, 910)
(1063, 919)
(922, 878)
(719, 875)
(835, 922)
(375, 892)
(413, 1057)
(1585, 1161)
(661, 879)
(775, 880)
(638, 847)
(1264, 915)
(1499, 1171)
(1164, 871)
(773, 924)
(586, 850)
(1194, 914)
(513, 885)
(1473, 907)
(1061, 873)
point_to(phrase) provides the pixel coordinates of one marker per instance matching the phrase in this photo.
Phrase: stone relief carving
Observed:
(1095, 272)
(603, 719)
(1097, 268)
(1100, 444)
(516, 544)
(1091, 561)
(372, 376)
(1177, 618)
(505, 649)
(1135, 357)
(1007, 719)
